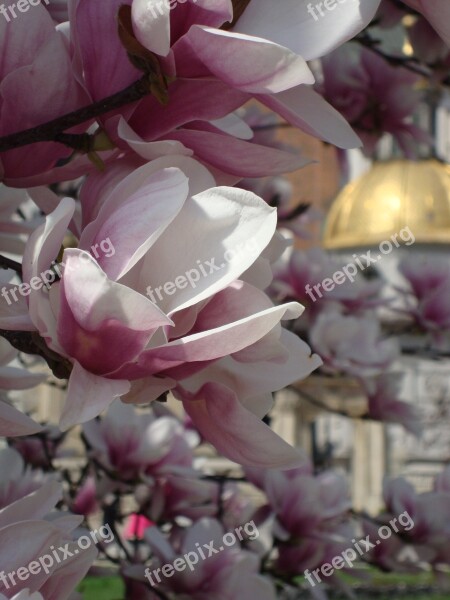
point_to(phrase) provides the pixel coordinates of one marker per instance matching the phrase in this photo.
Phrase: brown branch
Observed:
(9, 263)
(30, 342)
(52, 130)
(411, 64)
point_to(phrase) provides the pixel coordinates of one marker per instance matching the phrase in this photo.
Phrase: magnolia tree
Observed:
(139, 203)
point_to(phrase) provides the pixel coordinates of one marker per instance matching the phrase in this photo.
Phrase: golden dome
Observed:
(391, 196)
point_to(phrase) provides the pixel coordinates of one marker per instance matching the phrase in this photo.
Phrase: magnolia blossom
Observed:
(16, 481)
(373, 96)
(26, 534)
(437, 12)
(429, 280)
(85, 502)
(209, 79)
(384, 403)
(38, 84)
(428, 48)
(352, 345)
(126, 316)
(308, 514)
(230, 573)
(39, 450)
(388, 554)
(130, 444)
(303, 270)
(177, 492)
(304, 504)
(430, 513)
(13, 422)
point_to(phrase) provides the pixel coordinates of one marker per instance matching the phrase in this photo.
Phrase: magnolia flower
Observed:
(373, 96)
(352, 344)
(429, 513)
(12, 422)
(429, 280)
(437, 12)
(385, 555)
(384, 404)
(177, 491)
(309, 515)
(209, 78)
(38, 84)
(132, 444)
(26, 536)
(38, 451)
(85, 502)
(305, 505)
(229, 573)
(302, 276)
(428, 47)
(161, 306)
(425, 274)
(16, 481)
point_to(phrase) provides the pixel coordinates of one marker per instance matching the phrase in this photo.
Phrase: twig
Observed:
(9, 263)
(52, 130)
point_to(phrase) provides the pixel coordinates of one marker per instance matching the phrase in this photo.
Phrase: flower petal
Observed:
(88, 396)
(237, 433)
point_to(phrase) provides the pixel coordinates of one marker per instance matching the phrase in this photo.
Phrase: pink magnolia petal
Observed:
(437, 12)
(61, 584)
(42, 248)
(218, 342)
(239, 157)
(131, 227)
(102, 324)
(293, 24)
(252, 379)
(151, 24)
(243, 226)
(190, 100)
(13, 378)
(306, 109)
(237, 433)
(14, 423)
(88, 396)
(34, 506)
(249, 64)
(105, 63)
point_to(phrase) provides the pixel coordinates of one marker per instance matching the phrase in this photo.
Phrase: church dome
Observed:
(391, 196)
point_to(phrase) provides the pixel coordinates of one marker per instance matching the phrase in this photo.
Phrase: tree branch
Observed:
(30, 342)
(409, 63)
(9, 263)
(53, 130)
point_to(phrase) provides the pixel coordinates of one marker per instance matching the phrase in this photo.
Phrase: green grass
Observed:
(102, 588)
(111, 588)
